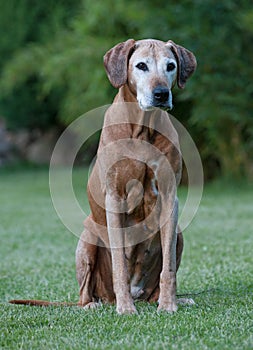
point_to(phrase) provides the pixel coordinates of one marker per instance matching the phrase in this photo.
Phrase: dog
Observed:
(109, 268)
(131, 246)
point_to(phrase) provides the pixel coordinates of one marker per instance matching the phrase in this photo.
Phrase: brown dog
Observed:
(130, 248)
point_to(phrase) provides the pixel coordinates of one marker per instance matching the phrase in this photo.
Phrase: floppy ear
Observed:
(186, 63)
(116, 61)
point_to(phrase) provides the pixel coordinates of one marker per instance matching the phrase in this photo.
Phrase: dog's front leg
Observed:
(167, 297)
(120, 273)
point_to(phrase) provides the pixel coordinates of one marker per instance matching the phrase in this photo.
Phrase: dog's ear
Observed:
(186, 63)
(116, 62)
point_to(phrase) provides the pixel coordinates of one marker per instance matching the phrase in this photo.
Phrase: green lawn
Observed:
(37, 261)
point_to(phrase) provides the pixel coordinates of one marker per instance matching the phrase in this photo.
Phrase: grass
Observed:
(37, 261)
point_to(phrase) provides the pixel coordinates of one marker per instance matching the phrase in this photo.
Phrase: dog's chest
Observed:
(148, 180)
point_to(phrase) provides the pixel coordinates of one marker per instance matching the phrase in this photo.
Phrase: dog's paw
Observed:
(186, 301)
(126, 309)
(167, 307)
(91, 305)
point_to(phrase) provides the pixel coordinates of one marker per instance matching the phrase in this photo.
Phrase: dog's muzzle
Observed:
(162, 97)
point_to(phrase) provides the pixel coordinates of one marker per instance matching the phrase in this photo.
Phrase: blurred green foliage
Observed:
(24, 25)
(52, 68)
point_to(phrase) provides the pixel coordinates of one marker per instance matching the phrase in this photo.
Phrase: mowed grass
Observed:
(38, 261)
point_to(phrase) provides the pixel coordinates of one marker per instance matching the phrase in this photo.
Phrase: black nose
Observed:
(161, 94)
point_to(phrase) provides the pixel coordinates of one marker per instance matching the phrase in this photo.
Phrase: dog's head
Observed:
(150, 68)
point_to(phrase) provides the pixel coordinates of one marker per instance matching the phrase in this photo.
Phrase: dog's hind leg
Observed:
(179, 248)
(85, 262)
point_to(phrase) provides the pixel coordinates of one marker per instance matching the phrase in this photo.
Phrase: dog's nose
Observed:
(161, 94)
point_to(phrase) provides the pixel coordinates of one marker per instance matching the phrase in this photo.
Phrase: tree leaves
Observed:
(69, 63)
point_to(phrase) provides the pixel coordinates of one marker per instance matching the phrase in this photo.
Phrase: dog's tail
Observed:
(41, 303)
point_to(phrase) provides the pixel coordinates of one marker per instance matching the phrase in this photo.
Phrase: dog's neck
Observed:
(133, 114)
(125, 95)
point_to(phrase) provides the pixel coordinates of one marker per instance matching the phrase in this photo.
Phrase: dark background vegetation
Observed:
(52, 71)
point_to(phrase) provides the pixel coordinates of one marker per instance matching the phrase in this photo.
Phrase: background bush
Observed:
(52, 70)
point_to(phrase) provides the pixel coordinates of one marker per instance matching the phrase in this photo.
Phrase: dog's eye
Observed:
(142, 66)
(170, 66)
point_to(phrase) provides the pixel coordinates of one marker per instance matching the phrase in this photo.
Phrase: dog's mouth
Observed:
(164, 106)
(167, 107)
